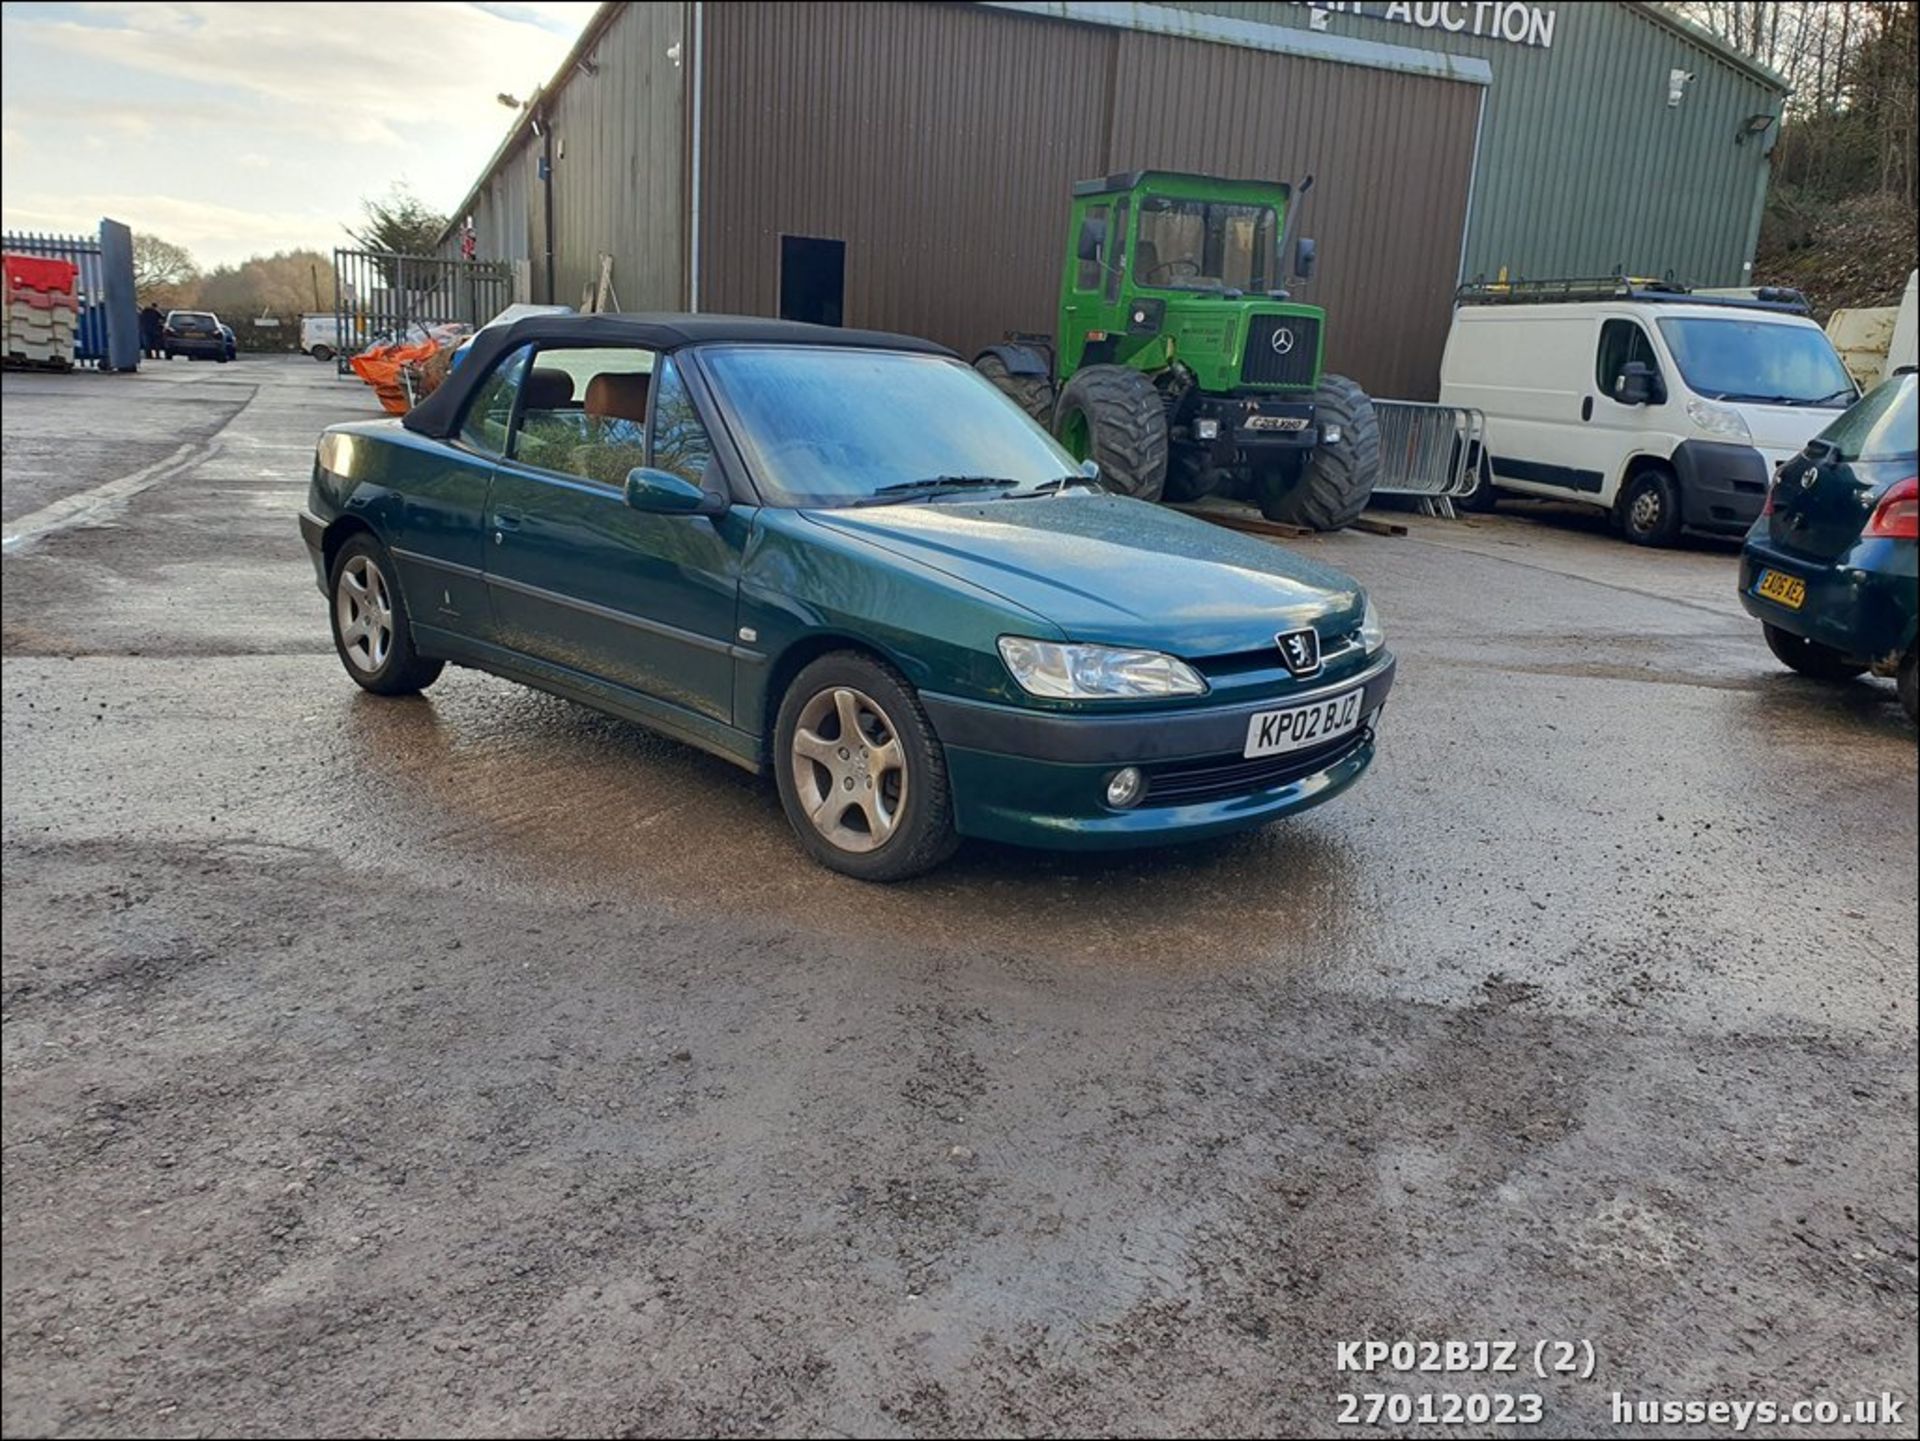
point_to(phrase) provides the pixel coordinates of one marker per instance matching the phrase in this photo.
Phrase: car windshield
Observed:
(831, 426)
(1205, 245)
(184, 320)
(1880, 427)
(1757, 360)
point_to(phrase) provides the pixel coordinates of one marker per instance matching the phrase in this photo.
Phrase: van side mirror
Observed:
(1304, 255)
(660, 492)
(1638, 385)
(1093, 237)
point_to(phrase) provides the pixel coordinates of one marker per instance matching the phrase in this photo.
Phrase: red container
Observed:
(37, 272)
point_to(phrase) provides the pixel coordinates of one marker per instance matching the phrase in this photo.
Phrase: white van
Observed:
(1668, 409)
(320, 335)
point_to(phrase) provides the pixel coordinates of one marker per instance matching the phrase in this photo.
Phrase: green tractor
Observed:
(1181, 365)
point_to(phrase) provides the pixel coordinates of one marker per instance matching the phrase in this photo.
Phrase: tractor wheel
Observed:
(1189, 478)
(1115, 417)
(1032, 393)
(1338, 481)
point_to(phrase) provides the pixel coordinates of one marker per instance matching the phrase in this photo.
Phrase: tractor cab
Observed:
(1186, 270)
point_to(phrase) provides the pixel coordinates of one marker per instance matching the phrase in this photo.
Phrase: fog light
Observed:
(1330, 434)
(1206, 430)
(1125, 787)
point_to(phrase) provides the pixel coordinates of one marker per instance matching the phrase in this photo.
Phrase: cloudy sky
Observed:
(241, 128)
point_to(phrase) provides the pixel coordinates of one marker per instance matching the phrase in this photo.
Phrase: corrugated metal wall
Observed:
(940, 142)
(619, 137)
(1583, 165)
(618, 173)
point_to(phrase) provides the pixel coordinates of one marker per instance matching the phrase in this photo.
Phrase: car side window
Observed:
(490, 411)
(584, 411)
(1621, 341)
(680, 442)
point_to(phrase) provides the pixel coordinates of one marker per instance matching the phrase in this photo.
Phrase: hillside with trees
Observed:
(1840, 218)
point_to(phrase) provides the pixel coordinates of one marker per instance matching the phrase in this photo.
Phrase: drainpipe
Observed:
(699, 62)
(543, 127)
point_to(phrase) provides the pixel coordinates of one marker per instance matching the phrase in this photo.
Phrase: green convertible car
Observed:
(846, 557)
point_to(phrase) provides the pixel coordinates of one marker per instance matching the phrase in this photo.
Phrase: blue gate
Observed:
(106, 321)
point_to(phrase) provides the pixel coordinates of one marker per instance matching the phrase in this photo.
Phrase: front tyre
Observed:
(1115, 417)
(1809, 657)
(371, 630)
(862, 776)
(1908, 684)
(1650, 508)
(1335, 485)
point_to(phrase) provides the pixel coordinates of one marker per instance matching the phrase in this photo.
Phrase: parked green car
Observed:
(845, 557)
(1829, 567)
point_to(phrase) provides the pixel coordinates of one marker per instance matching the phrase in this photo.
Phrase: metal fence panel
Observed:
(1427, 450)
(379, 295)
(90, 290)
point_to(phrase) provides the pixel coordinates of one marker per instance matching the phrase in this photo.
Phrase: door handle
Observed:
(506, 520)
(1586, 407)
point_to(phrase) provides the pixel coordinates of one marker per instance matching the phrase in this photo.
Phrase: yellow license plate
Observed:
(1785, 590)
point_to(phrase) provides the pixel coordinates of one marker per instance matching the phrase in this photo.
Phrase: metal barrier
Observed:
(106, 327)
(1429, 451)
(380, 295)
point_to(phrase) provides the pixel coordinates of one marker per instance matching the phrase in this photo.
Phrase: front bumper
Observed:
(1250, 425)
(1722, 486)
(1863, 604)
(1039, 778)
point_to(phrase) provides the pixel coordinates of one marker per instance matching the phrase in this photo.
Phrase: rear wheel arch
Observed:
(338, 532)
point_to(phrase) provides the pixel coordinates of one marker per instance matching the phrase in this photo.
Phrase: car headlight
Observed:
(1095, 672)
(1373, 635)
(1719, 420)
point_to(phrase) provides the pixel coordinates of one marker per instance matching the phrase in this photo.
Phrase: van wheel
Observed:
(1650, 508)
(322, 353)
(1485, 494)
(1809, 657)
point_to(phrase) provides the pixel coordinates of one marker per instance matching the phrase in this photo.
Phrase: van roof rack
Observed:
(1627, 287)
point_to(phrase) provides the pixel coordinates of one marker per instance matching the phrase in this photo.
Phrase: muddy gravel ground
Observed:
(478, 1065)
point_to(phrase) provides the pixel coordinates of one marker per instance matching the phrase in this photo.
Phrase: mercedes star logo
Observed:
(1283, 341)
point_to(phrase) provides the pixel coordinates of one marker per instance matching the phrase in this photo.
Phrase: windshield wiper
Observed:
(933, 485)
(1784, 399)
(1053, 487)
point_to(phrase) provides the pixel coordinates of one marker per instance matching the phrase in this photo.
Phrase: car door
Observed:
(1616, 431)
(435, 509)
(1532, 376)
(580, 580)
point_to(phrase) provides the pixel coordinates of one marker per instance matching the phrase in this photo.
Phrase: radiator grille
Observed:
(1266, 365)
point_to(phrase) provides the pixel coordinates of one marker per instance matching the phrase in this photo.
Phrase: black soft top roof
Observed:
(439, 414)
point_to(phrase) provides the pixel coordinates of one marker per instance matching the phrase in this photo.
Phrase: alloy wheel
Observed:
(363, 606)
(849, 769)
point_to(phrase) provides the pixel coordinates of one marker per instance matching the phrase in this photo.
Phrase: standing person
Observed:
(152, 322)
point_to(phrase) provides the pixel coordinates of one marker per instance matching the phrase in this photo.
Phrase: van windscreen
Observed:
(1758, 361)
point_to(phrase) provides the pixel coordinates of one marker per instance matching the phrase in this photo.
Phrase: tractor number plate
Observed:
(1277, 422)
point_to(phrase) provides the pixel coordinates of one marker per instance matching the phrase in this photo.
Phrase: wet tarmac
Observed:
(478, 1062)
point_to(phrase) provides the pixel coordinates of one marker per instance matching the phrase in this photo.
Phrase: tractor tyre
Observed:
(1189, 478)
(1032, 393)
(1337, 481)
(1115, 417)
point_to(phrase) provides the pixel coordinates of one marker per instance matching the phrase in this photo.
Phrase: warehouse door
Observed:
(813, 279)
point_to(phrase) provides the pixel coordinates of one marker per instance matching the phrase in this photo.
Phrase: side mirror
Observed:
(1636, 384)
(660, 492)
(1093, 237)
(1304, 255)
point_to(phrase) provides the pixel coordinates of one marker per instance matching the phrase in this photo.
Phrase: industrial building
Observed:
(908, 166)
